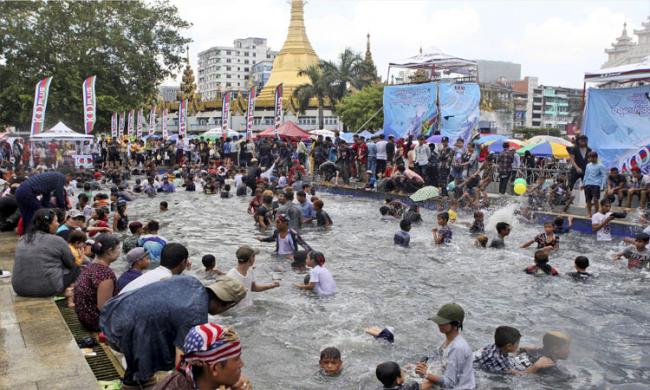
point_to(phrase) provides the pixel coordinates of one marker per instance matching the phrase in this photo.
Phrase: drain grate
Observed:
(104, 365)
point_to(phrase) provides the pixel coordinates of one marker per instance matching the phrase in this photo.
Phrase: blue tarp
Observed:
(459, 109)
(617, 123)
(410, 110)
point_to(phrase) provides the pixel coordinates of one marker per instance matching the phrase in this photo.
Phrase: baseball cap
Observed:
(449, 313)
(74, 214)
(444, 139)
(228, 289)
(135, 255)
(245, 252)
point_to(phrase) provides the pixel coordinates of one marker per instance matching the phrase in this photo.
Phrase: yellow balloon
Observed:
(520, 188)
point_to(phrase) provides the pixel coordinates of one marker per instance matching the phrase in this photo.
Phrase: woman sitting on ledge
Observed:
(44, 265)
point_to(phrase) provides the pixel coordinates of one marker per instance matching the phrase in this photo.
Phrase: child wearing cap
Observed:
(402, 237)
(581, 265)
(637, 255)
(138, 261)
(392, 378)
(458, 370)
(495, 358)
(244, 273)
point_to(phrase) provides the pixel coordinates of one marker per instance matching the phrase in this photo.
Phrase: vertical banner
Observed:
(138, 133)
(225, 114)
(152, 121)
(164, 124)
(120, 129)
(278, 109)
(90, 103)
(40, 104)
(114, 125)
(182, 117)
(250, 112)
(130, 125)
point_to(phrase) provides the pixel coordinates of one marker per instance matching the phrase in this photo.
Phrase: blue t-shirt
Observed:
(402, 238)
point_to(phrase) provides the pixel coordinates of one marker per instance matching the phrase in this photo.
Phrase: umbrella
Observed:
(497, 147)
(538, 139)
(490, 138)
(425, 193)
(546, 149)
(324, 133)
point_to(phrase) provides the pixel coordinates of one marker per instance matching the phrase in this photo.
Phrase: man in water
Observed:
(46, 185)
(286, 240)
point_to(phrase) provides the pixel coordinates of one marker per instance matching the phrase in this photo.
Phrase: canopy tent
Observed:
(287, 130)
(347, 137)
(61, 132)
(623, 73)
(217, 132)
(324, 133)
(441, 63)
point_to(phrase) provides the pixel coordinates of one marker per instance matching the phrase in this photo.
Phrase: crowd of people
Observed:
(75, 224)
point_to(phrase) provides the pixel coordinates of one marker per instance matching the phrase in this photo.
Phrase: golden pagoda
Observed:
(296, 54)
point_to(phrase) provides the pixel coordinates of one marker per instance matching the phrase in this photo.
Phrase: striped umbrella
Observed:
(490, 138)
(538, 139)
(497, 147)
(546, 149)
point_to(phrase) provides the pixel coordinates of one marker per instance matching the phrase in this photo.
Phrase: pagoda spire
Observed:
(368, 73)
(368, 53)
(296, 54)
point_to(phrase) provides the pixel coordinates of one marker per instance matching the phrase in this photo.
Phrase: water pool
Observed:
(380, 284)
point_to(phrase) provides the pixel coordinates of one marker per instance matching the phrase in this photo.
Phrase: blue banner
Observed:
(410, 110)
(459, 109)
(617, 123)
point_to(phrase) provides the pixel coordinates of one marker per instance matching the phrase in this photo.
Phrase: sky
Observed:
(555, 40)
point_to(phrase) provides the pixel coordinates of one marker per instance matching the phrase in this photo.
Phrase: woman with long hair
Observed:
(44, 265)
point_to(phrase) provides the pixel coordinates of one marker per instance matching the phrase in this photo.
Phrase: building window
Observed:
(228, 52)
(228, 68)
(228, 84)
(246, 54)
(246, 77)
(246, 69)
(228, 76)
(245, 61)
(254, 55)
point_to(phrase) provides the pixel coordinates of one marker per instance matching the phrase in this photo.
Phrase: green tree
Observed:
(420, 76)
(344, 75)
(358, 108)
(318, 88)
(131, 46)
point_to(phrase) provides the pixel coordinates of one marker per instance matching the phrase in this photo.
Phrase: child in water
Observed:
(330, 362)
(402, 237)
(556, 346)
(392, 378)
(443, 234)
(320, 278)
(546, 241)
(503, 230)
(210, 267)
(541, 265)
(581, 264)
(478, 226)
(481, 241)
(637, 255)
(164, 206)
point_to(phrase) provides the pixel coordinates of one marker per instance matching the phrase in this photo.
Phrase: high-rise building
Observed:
(169, 93)
(260, 74)
(625, 51)
(556, 107)
(229, 68)
(494, 71)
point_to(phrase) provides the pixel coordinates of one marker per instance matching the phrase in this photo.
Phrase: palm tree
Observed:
(319, 87)
(344, 74)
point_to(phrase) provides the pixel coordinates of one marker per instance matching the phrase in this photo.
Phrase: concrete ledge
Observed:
(37, 349)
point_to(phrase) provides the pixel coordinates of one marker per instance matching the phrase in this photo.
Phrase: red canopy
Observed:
(287, 130)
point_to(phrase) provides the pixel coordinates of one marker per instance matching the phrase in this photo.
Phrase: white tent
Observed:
(438, 61)
(325, 133)
(61, 132)
(623, 73)
(217, 132)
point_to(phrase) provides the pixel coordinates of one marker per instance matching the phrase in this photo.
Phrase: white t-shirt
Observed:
(247, 281)
(325, 284)
(285, 245)
(381, 149)
(238, 180)
(603, 234)
(153, 276)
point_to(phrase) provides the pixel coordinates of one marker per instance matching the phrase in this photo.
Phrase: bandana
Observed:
(208, 343)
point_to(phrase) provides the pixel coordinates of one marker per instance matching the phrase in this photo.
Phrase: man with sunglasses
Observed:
(149, 325)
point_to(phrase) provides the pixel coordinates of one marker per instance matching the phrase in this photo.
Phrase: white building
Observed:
(625, 51)
(223, 68)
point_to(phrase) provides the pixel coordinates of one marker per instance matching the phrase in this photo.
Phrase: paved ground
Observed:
(37, 350)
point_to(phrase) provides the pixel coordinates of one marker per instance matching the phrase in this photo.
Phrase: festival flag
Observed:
(278, 109)
(90, 103)
(130, 125)
(182, 117)
(139, 125)
(114, 125)
(225, 114)
(122, 123)
(164, 123)
(40, 104)
(152, 121)
(250, 113)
